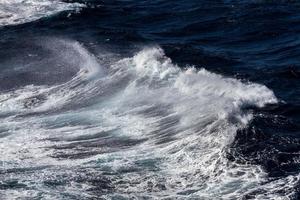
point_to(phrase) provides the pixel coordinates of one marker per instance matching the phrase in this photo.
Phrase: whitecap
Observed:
(14, 12)
(176, 123)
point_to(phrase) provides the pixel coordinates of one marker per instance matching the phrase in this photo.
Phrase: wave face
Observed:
(130, 127)
(14, 12)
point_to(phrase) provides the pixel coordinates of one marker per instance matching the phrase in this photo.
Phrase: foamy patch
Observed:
(184, 118)
(14, 12)
(14, 101)
(202, 110)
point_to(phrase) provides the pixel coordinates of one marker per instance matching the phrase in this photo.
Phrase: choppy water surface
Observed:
(149, 99)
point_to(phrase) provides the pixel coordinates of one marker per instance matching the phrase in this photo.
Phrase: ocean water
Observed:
(160, 99)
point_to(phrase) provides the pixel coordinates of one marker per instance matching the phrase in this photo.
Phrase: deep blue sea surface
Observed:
(149, 99)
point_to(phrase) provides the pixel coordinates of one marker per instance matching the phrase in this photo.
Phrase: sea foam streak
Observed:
(22, 11)
(143, 126)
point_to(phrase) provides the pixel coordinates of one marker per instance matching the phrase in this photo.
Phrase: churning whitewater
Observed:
(14, 12)
(129, 127)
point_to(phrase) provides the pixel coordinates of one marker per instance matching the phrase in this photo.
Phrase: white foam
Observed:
(209, 112)
(197, 111)
(22, 11)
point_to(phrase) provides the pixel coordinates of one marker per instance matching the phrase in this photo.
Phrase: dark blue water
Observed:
(99, 101)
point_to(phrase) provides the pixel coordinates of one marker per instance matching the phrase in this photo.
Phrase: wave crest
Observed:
(146, 125)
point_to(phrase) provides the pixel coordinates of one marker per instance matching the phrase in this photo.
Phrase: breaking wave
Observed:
(136, 127)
